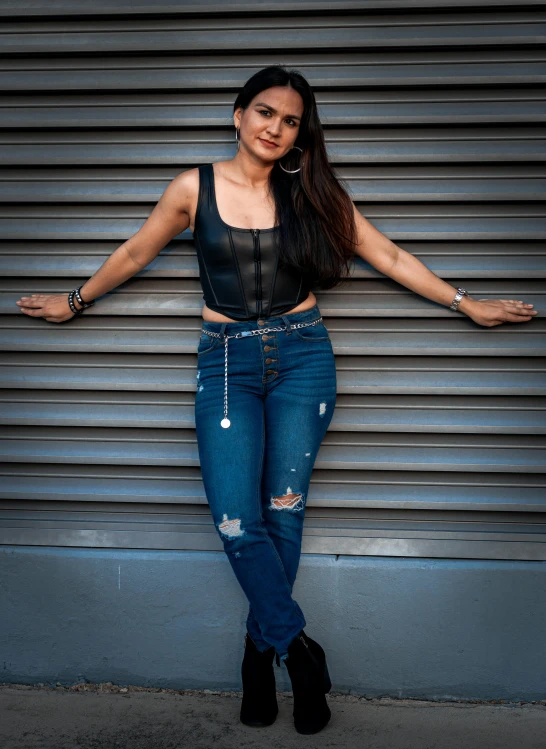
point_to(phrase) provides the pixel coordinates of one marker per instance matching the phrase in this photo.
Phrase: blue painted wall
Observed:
(402, 627)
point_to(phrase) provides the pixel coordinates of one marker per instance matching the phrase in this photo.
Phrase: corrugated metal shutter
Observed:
(434, 113)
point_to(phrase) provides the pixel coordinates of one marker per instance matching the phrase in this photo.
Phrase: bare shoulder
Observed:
(185, 190)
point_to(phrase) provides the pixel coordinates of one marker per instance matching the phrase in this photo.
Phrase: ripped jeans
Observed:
(256, 473)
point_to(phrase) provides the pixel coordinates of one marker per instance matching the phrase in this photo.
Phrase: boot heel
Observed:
(327, 682)
(259, 704)
(308, 673)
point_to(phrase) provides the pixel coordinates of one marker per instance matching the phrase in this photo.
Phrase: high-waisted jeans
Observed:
(256, 473)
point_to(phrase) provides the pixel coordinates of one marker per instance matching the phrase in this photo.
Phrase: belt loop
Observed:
(223, 328)
(286, 321)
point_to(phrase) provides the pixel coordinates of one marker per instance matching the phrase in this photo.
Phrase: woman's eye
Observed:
(264, 111)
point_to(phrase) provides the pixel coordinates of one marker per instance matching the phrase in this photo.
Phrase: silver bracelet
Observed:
(458, 296)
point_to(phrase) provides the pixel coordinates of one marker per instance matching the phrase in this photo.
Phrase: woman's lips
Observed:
(267, 143)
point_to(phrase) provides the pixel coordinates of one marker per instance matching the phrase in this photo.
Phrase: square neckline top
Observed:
(240, 269)
(215, 206)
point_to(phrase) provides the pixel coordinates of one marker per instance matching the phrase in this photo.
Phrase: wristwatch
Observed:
(458, 296)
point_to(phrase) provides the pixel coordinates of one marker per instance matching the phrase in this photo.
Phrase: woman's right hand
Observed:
(52, 307)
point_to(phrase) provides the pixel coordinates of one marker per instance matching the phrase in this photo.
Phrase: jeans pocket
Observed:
(207, 343)
(318, 332)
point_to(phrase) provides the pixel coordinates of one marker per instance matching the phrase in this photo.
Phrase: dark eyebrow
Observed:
(263, 104)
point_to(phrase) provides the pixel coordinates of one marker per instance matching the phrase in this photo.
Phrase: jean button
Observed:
(267, 348)
(265, 337)
(270, 371)
(261, 322)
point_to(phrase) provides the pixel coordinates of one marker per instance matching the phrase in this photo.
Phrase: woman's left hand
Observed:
(490, 312)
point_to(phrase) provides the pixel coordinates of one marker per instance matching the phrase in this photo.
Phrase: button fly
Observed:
(268, 361)
(267, 348)
(265, 338)
(270, 371)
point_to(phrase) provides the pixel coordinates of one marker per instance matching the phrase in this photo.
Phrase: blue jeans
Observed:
(256, 473)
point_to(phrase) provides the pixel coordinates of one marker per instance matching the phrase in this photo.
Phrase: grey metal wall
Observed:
(434, 114)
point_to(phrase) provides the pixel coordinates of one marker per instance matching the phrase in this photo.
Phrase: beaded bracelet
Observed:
(85, 305)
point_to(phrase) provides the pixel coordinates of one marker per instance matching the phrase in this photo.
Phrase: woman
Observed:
(268, 225)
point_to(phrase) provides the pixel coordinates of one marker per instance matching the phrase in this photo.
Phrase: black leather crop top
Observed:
(238, 268)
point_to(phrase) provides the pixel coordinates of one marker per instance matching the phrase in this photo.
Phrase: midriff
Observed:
(211, 316)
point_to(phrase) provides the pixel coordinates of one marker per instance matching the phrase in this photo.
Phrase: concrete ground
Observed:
(106, 716)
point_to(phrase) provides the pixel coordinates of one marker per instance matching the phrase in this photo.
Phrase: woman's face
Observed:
(273, 115)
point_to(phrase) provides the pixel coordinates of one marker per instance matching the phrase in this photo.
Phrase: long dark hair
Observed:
(317, 231)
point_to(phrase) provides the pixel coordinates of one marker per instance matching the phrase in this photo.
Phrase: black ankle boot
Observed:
(306, 665)
(259, 706)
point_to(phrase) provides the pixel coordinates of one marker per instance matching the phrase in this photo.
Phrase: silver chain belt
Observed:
(245, 334)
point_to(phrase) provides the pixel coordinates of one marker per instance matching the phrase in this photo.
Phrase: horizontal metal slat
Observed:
(363, 288)
(432, 222)
(168, 265)
(353, 413)
(430, 414)
(448, 183)
(119, 487)
(325, 535)
(334, 31)
(355, 298)
(430, 107)
(428, 67)
(372, 287)
(185, 7)
(456, 260)
(354, 451)
(376, 375)
(358, 145)
(444, 375)
(168, 336)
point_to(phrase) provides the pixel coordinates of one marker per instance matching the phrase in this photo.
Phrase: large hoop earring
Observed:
(237, 139)
(291, 171)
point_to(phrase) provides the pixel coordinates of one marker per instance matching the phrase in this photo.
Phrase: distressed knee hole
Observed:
(231, 528)
(289, 501)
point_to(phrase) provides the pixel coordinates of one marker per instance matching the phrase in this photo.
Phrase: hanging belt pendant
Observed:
(225, 421)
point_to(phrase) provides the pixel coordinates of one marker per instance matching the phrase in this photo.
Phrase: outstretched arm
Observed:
(403, 267)
(168, 218)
